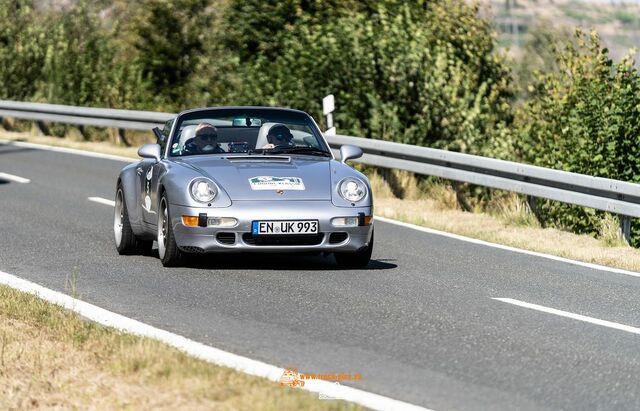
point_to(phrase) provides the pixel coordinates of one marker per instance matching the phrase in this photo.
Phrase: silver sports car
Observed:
(243, 179)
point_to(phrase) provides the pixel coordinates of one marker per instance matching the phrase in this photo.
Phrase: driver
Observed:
(279, 135)
(205, 141)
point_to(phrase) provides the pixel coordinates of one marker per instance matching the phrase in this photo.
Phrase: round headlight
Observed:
(203, 190)
(352, 189)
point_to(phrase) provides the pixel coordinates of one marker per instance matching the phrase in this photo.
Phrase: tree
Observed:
(584, 118)
(169, 43)
(416, 72)
(22, 50)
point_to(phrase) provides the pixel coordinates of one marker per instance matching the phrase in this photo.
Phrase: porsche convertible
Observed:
(243, 179)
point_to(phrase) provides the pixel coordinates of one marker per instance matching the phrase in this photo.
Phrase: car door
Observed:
(149, 172)
(145, 171)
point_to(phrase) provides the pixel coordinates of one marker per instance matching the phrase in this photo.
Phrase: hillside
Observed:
(617, 22)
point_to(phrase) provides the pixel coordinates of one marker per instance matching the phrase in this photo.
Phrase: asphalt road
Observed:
(419, 323)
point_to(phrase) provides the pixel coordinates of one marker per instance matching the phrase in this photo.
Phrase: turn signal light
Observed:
(344, 221)
(368, 220)
(190, 221)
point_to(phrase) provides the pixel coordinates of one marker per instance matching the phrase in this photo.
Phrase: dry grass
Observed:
(609, 232)
(513, 210)
(508, 221)
(52, 359)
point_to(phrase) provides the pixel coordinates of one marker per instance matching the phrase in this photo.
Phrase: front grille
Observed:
(336, 238)
(226, 238)
(267, 240)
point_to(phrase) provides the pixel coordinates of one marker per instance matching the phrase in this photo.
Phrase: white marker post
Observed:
(328, 105)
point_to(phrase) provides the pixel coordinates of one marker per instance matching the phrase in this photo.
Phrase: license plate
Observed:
(284, 227)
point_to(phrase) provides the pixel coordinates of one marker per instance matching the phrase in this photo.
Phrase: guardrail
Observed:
(619, 197)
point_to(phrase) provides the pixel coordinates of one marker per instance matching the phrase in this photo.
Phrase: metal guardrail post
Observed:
(625, 228)
(122, 137)
(532, 202)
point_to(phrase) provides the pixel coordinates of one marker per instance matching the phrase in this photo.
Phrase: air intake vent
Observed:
(259, 158)
(314, 239)
(226, 238)
(336, 238)
(193, 250)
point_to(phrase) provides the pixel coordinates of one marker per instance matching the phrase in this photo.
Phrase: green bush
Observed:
(415, 72)
(168, 39)
(22, 54)
(584, 118)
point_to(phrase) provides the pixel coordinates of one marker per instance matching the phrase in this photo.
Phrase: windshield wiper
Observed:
(300, 150)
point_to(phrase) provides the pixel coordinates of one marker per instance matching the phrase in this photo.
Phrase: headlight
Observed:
(203, 190)
(352, 189)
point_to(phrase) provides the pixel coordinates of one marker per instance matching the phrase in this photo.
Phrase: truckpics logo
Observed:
(291, 378)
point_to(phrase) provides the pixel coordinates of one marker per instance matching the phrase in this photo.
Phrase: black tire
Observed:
(359, 259)
(170, 254)
(126, 241)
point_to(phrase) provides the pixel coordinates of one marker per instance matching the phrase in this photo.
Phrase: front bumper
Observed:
(239, 238)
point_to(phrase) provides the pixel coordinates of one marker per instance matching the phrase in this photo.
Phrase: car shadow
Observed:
(273, 262)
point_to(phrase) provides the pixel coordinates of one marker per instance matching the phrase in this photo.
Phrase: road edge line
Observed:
(14, 178)
(200, 350)
(568, 314)
(101, 200)
(508, 248)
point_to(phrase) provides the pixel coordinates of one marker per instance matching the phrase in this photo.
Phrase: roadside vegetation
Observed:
(50, 358)
(420, 72)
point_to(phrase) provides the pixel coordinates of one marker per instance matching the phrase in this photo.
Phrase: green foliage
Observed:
(78, 59)
(258, 27)
(538, 55)
(169, 42)
(21, 51)
(584, 118)
(416, 72)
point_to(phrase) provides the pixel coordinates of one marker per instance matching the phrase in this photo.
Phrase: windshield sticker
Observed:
(275, 183)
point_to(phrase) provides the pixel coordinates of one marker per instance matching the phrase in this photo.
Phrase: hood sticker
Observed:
(275, 183)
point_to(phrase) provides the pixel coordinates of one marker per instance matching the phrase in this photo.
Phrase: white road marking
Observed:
(15, 179)
(508, 248)
(101, 200)
(568, 314)
(202, 351)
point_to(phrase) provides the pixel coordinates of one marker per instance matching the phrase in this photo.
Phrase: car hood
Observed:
(258, 177)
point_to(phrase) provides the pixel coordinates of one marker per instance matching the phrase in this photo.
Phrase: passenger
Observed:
(205, 141)
(279, 135)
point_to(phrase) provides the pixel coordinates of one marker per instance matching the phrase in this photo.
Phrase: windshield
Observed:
(247, 131)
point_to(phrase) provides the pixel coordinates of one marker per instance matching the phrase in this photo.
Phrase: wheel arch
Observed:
(127, 181)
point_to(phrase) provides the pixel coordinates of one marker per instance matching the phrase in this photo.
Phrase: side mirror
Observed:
(150, 151)
(349, 152)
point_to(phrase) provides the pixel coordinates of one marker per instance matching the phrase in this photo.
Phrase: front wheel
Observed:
(359, 259)
(126, 241)
(169, 253)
